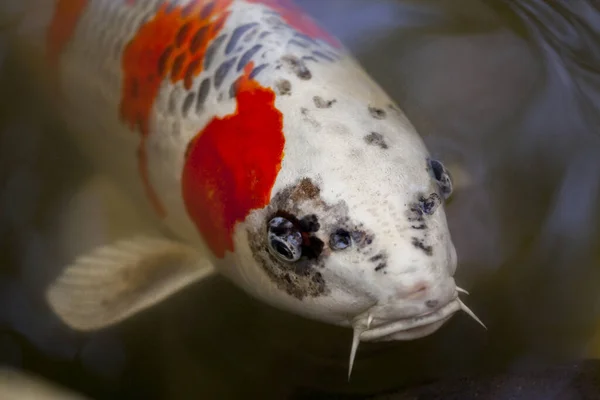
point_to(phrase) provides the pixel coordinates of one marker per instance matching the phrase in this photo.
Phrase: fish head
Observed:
(355, 232)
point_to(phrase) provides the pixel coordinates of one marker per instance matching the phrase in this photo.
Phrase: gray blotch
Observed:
(298, 43)
(420, 244)
(250, 36)
(323, 56)
(377, 113)
(297, 66)
(222, 72)
(247, 56)
(306, 38)
(237, 34)
(202, 94)
(257, 70)
(376, 139)
(212, 49)
(310, 58)
(284, 87)
(322, 103)
(187, 104)
(264, 34)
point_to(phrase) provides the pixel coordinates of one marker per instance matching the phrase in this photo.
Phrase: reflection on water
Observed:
(505, 95)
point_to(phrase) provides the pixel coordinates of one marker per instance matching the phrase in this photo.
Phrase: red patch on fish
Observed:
(171, 44)
(67, 14)
(298, 19)
(232, 164)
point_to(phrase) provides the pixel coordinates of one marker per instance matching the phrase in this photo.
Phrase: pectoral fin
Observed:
(114, 282)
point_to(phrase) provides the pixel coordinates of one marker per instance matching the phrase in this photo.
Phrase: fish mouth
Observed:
(410, 328)
(406, 328)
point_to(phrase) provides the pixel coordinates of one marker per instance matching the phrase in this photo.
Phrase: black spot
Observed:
(257, 70)
(162, 60)
(310, 224)
(198, 39)
(297, 66)
(418, 243)
(284, 87)
(376, 258)
(376, 139)
(222, 72)
(314, 248)
(322, 103)
(207, 10)
(323, 56)
(380, 266)
(212, 50)
(419, 227)
(187, 104)
(237, 34)
(202, 94)
(247, 56)
(377, 113)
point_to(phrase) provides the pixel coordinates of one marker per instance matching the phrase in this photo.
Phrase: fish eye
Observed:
(442, 176)
(340, 239)
(284, 239)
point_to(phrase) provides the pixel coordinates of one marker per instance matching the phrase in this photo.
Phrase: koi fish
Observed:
(267, 151)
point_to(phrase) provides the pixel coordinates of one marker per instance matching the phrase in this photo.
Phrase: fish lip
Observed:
(414, 327)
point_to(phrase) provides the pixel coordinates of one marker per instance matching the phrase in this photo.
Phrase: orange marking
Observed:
(172, 44)
(62, 27)
(298, 19)
(231, 165)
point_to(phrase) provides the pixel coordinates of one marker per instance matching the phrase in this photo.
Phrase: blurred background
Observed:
(506, 93)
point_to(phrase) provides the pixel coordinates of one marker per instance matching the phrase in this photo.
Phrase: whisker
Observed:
(470, 313)
(355, 343)
(461, 290)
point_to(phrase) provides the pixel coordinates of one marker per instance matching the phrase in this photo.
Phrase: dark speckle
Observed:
(322, 103)
(284, 87)
(162, 61)
(202, 94)
(376, 139)
(212, 50)
(380, 266)
(419, 244)
(187, 103)
(257, 70)
(297, 66)
(222, 72)
(323, 56)
(432, 303)
(237, 34)
(247, 56)
(377, 113)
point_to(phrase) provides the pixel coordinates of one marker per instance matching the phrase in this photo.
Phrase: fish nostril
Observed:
(432, 303)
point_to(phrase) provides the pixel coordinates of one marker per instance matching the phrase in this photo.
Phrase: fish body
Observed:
(266, 150)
